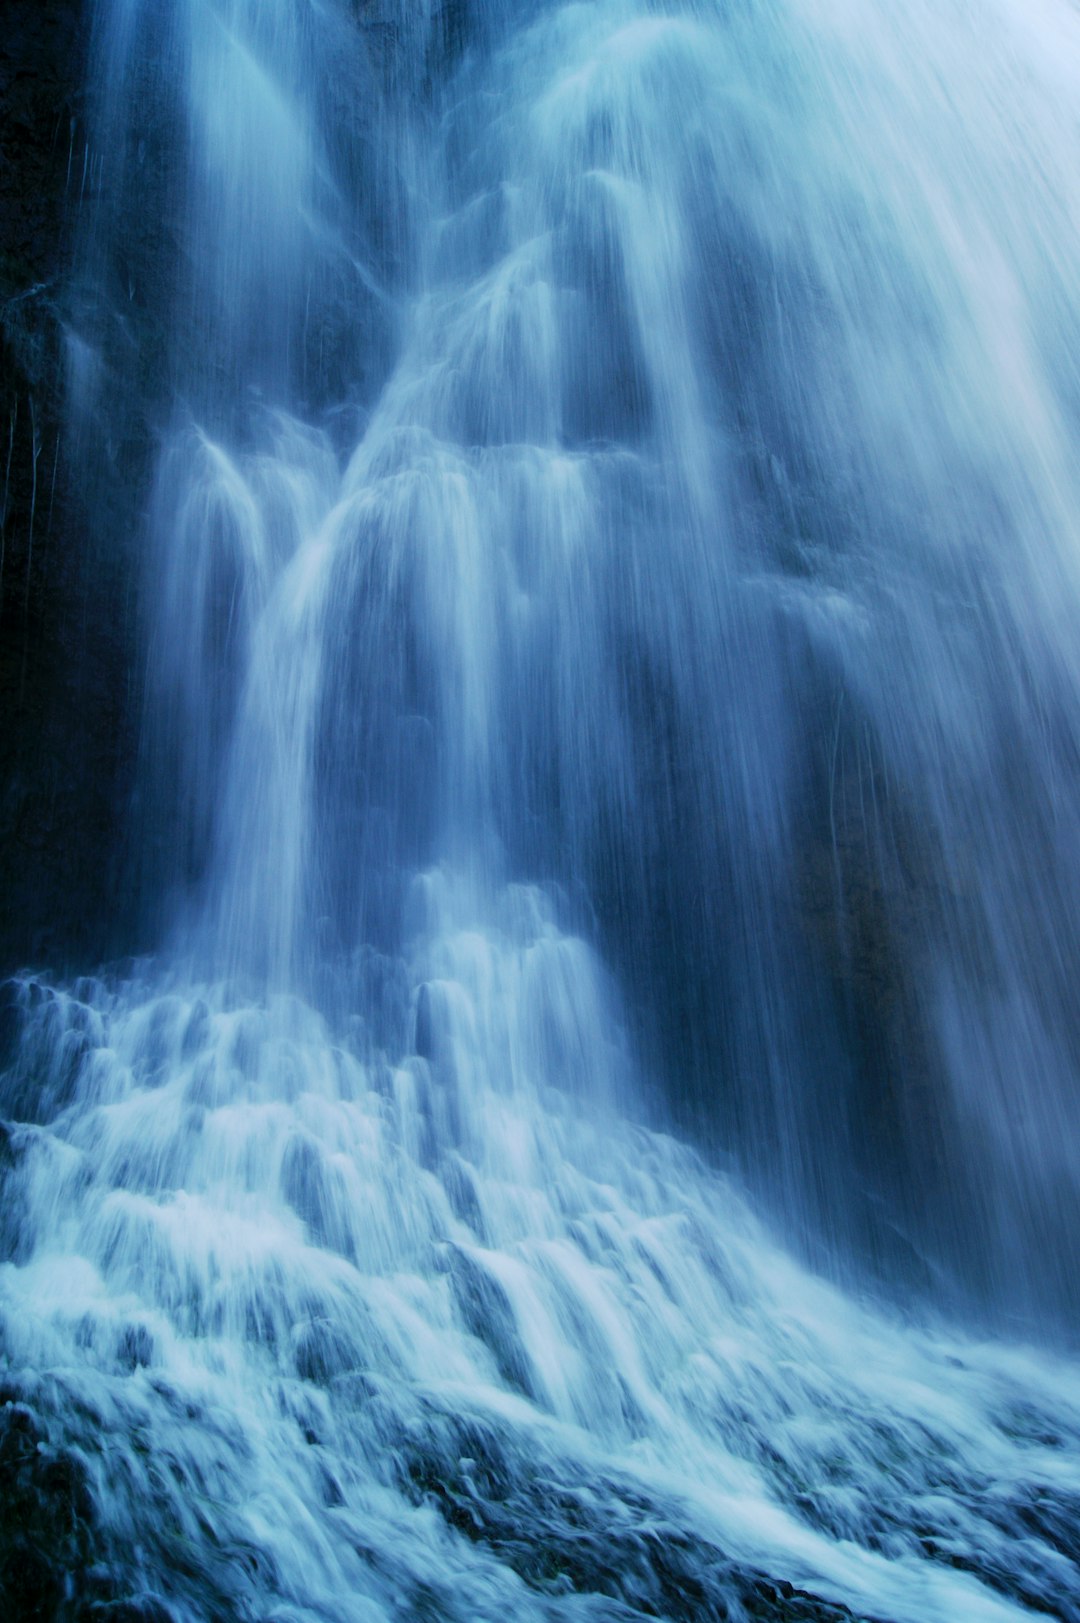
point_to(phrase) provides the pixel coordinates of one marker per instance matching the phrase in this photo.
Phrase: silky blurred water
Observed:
(611, 586)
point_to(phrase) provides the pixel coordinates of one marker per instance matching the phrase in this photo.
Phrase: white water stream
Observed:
(666, 709)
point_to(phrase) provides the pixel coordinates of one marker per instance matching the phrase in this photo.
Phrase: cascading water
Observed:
(611, 645)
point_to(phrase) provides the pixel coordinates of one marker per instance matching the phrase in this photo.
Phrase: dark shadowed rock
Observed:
(66, 745)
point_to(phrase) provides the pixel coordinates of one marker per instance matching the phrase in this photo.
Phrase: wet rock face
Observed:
(65, 620)
(47, 1521)
(56, 1561)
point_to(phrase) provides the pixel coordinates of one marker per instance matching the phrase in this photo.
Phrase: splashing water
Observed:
(330, 1338)
(611, 579)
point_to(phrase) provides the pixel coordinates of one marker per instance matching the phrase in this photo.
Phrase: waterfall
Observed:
(596, 1138)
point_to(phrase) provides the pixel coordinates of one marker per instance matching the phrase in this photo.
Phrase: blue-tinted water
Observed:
(610, 595)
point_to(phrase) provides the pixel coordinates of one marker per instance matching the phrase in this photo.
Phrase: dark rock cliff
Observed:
(66, 601)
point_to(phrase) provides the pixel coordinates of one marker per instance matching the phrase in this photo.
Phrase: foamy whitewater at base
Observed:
(321, 1335)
